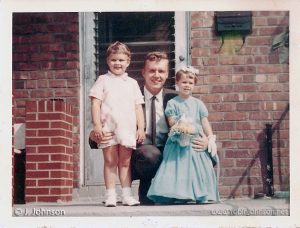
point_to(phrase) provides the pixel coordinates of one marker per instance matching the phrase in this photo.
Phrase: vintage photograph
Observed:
(84, 133)
(152, 114)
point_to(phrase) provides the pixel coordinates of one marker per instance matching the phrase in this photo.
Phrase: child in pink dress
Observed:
(117, 107)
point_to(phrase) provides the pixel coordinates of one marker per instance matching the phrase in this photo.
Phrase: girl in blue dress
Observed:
(185, 174)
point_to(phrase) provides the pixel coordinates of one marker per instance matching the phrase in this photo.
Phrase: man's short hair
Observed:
(117, 48)
(156, 56)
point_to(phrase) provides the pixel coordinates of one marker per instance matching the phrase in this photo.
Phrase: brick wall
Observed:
(49, 152)
(243, 91)
(46, 64)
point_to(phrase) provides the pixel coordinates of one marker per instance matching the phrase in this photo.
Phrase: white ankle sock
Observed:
(111, 192)
(126, 191)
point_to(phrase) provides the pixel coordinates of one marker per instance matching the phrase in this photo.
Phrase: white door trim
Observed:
(182, 39)
(87, 70)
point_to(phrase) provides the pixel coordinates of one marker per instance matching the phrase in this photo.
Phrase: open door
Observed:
(142, 32)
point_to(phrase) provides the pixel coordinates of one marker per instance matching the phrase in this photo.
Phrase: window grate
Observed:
(142, 32)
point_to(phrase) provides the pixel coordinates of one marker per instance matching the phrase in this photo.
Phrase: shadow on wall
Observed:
(262, 156)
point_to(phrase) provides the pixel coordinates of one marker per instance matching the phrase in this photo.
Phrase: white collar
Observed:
(149, 95)
(123, 76)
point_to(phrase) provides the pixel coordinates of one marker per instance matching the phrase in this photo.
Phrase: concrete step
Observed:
(96, 193)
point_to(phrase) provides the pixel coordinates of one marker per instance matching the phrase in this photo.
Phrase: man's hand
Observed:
(101, 139)
(200, 143)
(140, 136)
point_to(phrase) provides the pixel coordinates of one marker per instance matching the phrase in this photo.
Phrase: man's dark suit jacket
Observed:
(147, 158)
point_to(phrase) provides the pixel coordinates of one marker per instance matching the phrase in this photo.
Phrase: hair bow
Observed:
(190, 69)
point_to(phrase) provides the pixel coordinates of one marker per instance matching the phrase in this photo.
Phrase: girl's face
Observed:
(118, 63)
(185, 85)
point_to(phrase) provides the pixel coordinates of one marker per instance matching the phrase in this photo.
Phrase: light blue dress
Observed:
(184, 175)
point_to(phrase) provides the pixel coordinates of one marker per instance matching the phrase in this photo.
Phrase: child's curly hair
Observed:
(118, 47)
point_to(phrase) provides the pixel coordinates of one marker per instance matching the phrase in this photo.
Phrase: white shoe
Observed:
(130, 201)
(111, 201)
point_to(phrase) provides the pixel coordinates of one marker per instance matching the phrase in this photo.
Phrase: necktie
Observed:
(153, 120)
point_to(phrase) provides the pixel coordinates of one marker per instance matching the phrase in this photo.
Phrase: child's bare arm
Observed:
(96, 107)
(206, 126)
(140, 123)
(171, 120)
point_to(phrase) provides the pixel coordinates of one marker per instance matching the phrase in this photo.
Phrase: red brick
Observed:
(60, 157)
(236, 135)
(245, 88)
(235, 116)
(247, 106)
(211, 98)
(21, 94)
(258, 41)
(37, 174)
(59, 174)
(232, 60)
(247, 162)
(41, 56)
(222, 135)
(30, 183)
(226, 126)
(257, 97)
(58, 83)
(223, 107)
(234, 172)
(271, 87)
(45, 93)
(51, 116)
(37, 158)
(52, 149)
(280, 96)
(229, 181)
(51, 182)
(214, 117)
(248, 144)
(221, 89)
(50, 132)
(37, 141)
(237, 78)
(52, 47)
(244, 69)
(60, 191)
(42, 84)
(30, 166)
(232, 97)
(60, 124)
(71, 92)
(29, 199)
(31, 116)
(60, 141)
(51, 165)
(40, 38)
(247, 126)
(260, 116)
(220, 70)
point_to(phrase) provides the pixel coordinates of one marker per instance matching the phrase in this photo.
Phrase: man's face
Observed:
(155, 75)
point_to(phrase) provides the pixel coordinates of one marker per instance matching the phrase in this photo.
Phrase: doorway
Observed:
(142, 32)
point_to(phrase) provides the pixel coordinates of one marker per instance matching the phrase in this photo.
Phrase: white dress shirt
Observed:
(161, 124)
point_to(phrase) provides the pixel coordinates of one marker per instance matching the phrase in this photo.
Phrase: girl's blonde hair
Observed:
(118, 48)
(187, 73)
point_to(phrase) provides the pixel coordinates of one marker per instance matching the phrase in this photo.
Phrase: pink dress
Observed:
(119, 96)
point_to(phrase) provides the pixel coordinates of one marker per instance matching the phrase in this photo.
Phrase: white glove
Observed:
(212, 146)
